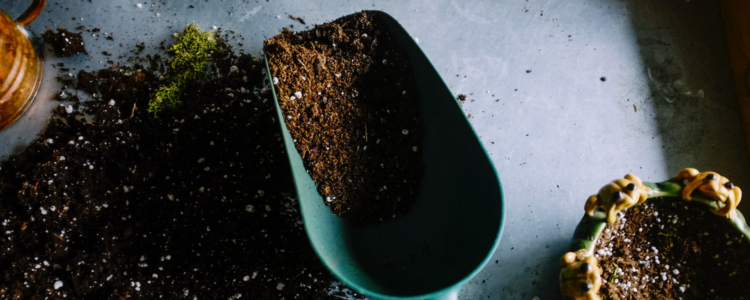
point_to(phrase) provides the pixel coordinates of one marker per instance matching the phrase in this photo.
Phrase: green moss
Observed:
(191, 56)
(166, 97)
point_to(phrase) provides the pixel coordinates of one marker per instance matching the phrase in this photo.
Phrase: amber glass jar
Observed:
(20, 66)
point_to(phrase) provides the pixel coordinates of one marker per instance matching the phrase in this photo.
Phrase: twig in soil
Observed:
(614, 275)
(263, 113)
(113, 84)
(132, 113)
(295, 277)
(303, 66)
(669, 235)
(233, 99)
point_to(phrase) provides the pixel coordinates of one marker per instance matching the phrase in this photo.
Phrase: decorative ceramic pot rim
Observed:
(590, 228)
(577, 264)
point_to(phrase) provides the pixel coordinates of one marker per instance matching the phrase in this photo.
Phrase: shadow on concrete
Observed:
(685, 60)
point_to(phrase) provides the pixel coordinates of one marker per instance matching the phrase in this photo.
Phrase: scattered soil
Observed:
(461, 99)
(349, 101)
(195, 204)
(87, 82)
(64, 42)
(673, 249)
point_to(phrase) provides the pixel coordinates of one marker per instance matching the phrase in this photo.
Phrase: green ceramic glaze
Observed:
(451, 230)
(591, 227)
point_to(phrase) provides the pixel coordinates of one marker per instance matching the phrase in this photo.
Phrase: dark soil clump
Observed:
(461, 99)
(195, 204)
(65, 43)
(349, 100)
(87, 82)
(673, 249)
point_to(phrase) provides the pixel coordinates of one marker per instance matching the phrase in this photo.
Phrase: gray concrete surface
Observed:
(532, 71)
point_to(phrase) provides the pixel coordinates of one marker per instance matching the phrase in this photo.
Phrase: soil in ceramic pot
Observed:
(673, 249)
(349, 101)
(195, 204)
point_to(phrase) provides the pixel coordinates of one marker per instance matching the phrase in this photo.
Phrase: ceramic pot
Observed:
(580, 277)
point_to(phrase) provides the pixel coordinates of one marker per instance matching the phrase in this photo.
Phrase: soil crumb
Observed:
(349, 101)
(64, 42)
(461, 99)
(669, 248)
(297, 19)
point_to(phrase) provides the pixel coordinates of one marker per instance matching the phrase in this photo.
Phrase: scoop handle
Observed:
(31, 13)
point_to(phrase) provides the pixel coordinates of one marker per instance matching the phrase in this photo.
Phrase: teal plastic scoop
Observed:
(451, 230)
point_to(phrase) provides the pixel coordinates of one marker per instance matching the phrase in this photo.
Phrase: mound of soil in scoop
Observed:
(195, 204)
(673, 249)
(349, 101)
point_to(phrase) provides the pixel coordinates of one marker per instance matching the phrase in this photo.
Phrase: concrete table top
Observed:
(566, 95)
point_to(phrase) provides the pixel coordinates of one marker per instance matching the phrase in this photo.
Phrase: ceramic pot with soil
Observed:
(687, 241)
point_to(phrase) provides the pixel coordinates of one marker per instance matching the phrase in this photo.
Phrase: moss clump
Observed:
(191, 57)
